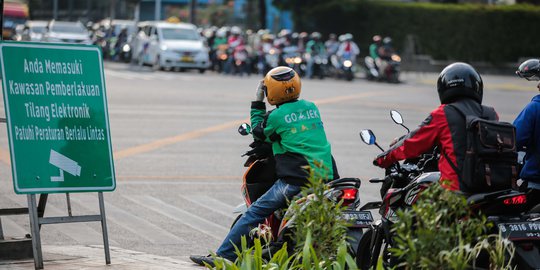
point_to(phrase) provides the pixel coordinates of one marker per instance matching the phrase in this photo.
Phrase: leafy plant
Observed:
(319, 218)
(440, 232)
(318, 238)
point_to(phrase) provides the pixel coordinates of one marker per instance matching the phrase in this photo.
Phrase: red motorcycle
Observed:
(507, 209)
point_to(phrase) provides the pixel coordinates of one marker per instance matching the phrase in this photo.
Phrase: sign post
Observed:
(58, 126)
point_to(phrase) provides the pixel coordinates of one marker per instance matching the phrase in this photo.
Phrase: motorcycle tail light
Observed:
(520, 199)
(348, 196)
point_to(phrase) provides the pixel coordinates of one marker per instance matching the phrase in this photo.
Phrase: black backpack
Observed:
(490, 161)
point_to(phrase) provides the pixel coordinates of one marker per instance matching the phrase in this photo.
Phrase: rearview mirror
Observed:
(244, 129)
(396, 116)
(368, 137)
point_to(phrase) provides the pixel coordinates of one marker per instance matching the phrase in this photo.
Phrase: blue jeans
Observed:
(275, 198)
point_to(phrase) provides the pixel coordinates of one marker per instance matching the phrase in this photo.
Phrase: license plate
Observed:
(520, 230)
(358, 218)
(186, 59)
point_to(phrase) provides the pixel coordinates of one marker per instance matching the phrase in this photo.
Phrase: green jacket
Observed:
(298, 140)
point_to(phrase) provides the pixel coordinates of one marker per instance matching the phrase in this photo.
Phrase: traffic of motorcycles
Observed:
(370, 241)
(235, 52)
(171, 45)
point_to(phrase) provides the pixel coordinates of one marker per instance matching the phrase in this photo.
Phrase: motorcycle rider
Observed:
(120, 41)
(299, 144)
(384, 52)
(458, 85)
(374, 52)
(314, 47)
(348, 48)
(374, 47)
(332, 44)
(528, 126)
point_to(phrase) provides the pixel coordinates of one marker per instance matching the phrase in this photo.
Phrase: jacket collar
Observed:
(536, 98)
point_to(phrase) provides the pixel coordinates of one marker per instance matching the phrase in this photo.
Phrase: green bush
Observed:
(464, 32)
(440, 232)
(319, 238)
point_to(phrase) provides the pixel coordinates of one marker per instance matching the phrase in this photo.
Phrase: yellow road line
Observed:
(144, 148)
(179, 177)
(489, 86)
(151, 146)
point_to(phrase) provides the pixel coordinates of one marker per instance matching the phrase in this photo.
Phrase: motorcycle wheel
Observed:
(349, 76)
(381, 258)
(363, 254)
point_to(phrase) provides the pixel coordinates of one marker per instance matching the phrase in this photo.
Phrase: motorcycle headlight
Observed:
(272, 51)
(126, 48)
(163, 47)
(347, 63)
(289, 60)
(396, 58)
(297, 60)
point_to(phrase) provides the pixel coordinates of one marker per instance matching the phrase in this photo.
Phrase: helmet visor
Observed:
(286, 76)
(528, 76)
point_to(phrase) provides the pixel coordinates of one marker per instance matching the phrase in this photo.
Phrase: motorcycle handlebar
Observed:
(376, 180)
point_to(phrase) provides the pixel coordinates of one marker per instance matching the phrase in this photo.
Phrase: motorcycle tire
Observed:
(349, 76)
(363, 254)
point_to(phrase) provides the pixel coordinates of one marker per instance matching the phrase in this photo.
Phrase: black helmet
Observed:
(529, 70)
(459, 80)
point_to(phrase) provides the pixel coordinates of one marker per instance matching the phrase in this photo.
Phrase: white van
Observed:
(170, 45)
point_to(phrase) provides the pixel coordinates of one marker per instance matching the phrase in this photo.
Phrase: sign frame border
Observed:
(53, 46)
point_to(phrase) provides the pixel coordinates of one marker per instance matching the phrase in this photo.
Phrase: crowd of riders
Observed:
(233, 51)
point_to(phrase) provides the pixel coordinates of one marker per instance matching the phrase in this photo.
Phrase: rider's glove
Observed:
(259, 96)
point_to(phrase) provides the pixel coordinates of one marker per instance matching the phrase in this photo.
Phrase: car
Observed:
(33, 31)
(66, 32)
(166, 45)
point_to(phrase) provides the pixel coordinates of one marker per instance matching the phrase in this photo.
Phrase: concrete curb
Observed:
(93, 257)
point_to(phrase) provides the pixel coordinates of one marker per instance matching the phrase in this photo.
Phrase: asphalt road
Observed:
(177, 151)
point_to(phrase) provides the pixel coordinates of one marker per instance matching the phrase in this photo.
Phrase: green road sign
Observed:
(58, 124)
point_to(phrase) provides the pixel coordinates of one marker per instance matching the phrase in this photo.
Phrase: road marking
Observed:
(211, 204)
(12, 229)
(138, 226)
(179, 177)
(489, 86)
(81, 232)
(175, 139)
(195, 222)
(144, 148)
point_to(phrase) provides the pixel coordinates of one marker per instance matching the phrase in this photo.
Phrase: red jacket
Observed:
(444, 127)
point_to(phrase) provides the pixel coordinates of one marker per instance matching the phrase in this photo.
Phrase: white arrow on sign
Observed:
(64, 164)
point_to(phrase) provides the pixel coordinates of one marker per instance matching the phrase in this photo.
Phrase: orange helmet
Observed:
(282, 85)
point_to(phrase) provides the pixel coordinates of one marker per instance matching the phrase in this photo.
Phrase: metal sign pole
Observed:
(2, 19)
(104, 228)
(34, 227)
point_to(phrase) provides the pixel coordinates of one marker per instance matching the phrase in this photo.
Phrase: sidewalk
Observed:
(93, 257)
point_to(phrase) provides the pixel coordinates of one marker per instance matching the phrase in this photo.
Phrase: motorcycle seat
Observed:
(476, 198)
(356, 182)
